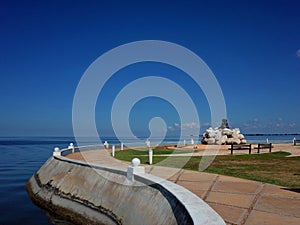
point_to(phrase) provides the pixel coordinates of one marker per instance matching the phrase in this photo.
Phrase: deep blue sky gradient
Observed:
(251, 46)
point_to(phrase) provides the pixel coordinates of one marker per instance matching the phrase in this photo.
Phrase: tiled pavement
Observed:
(237, 201)
(241, 201)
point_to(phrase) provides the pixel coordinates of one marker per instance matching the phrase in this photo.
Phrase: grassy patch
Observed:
(142, 154)
(274, 168)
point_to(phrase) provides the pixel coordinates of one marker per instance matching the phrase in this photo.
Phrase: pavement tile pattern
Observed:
(236, 200)
(240, 201)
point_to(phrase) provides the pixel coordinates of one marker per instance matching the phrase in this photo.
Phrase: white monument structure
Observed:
(223, 135)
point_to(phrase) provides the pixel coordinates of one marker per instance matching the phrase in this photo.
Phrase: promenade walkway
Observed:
(237, 201)
(223, 150)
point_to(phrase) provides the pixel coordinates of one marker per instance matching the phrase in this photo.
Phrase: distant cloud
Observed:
(276, 125)
(207, 124)
(185, 125)
(298, 53)
(187, 128)
(191, 125)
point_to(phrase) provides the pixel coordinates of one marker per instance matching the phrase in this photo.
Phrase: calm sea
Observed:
(21, 157)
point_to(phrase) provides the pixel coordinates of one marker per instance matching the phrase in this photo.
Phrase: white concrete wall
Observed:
(104, 195)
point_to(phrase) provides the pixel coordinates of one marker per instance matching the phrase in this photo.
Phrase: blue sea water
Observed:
(22, 157)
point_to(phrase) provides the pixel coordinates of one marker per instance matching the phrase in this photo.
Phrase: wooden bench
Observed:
(240, 147)
(261, 146)
(295, 141)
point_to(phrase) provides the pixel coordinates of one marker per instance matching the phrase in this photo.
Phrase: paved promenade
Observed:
(237, 201)
(223, 150)
(240, 201)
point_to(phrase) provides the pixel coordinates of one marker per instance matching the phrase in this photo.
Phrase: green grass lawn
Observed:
(274, 168)
(142, 154)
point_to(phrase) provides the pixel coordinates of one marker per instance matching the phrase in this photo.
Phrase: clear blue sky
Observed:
(251, 46)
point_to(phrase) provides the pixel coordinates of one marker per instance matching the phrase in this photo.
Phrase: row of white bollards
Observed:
(106, 145)
(57, 151)
(150, 151)
(135, 167)
(71, 146)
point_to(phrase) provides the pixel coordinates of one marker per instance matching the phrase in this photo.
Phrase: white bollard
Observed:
(106, 145)
(135, 162)
(184, 142)
(135, 168)
(113, 150)
(150, 156)
(267, 140)
(56, 152)
(192, 141)
(148, 143)
(294, 141)
(122, 146)
(71, 146)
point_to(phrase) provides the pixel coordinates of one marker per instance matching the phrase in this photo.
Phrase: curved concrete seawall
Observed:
(91, 194)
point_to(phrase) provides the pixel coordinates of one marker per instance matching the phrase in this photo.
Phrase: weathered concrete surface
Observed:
(94, 195)
(82, 186)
